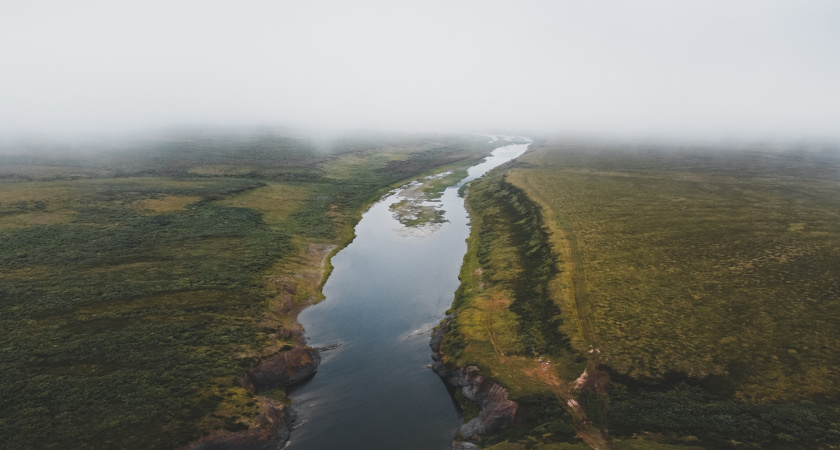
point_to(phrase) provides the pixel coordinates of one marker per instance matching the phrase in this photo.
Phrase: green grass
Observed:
(706, 272)
(138, 285)
(697, 287)
(128, 321)
(709, 270)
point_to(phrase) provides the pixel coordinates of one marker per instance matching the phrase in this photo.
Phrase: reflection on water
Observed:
(387, 291)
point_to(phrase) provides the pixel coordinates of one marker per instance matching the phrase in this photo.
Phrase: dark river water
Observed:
(389, 287)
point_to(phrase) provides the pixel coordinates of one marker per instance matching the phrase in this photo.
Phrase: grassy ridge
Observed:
(137, 286)
(508, 312)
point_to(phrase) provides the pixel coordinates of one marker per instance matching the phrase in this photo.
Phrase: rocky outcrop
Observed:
(497, 410)
(274, 424)
(283, 369)
(274, 429)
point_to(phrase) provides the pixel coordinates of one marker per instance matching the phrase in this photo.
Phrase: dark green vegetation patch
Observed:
(715, 421)
(114, 324)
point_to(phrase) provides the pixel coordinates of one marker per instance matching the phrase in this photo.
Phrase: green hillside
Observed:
(701, 283)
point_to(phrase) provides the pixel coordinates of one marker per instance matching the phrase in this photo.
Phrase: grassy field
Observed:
(138, 284)
(702, 282)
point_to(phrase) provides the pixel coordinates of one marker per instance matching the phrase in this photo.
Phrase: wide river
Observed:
(389, 287)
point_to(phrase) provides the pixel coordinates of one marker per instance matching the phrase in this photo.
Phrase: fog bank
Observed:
(688, 69)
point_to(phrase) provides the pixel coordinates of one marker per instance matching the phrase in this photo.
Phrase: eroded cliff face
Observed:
(273, 431)
(498, 411)
(283, 369)
(274, 424)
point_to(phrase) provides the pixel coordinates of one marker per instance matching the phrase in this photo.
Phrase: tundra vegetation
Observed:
(657, 297)
(138, 284)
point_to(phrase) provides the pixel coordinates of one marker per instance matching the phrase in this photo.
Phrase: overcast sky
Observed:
(748, 69)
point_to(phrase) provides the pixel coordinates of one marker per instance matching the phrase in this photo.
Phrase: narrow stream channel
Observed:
(386, 292)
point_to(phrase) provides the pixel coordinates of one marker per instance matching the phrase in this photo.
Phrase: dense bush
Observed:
(688, 410)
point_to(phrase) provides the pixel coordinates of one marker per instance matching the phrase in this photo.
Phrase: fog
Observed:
(691, 69)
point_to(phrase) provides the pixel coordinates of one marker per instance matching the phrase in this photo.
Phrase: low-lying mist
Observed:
(696, 70)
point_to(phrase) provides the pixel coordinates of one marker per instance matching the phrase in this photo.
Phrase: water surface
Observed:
(386, 292)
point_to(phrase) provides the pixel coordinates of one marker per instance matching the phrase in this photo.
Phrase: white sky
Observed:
(719, 69)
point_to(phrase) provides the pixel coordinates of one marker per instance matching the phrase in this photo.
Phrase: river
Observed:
(387, 290)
